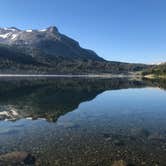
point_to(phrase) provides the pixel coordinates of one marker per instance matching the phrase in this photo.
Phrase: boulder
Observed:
(17, 157)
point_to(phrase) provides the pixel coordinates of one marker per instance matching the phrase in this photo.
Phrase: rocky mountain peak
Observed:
(52, 29)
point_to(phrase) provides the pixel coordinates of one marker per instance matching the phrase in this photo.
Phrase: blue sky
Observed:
(118, 30)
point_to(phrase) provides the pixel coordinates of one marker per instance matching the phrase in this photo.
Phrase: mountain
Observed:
(156, 70)
(49, 51)
(47, 41)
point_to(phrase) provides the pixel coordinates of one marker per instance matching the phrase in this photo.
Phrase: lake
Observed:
(83, 121)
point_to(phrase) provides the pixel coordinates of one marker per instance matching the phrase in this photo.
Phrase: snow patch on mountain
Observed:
(43, 30)
(4, 36)
(14, 36)
(10, 29)
(29, 30)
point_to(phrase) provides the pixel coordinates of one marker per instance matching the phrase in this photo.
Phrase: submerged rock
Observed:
(140, 132)
(17, 157)
(156, 136)
(106, 135)
(119, 142)
(119, 163)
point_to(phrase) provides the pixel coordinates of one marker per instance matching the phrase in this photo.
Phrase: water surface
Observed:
(84, 121)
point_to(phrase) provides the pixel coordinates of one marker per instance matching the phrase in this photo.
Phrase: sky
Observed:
(117, 30)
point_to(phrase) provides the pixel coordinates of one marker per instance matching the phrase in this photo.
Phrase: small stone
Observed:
(106, 135)
(119, 163)
(119, 143)
(156, 136)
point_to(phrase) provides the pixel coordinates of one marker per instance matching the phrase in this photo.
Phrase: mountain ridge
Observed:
(50, 40)
(49, 51)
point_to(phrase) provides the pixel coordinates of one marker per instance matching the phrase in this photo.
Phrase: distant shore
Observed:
(152, 76)
(70, 75)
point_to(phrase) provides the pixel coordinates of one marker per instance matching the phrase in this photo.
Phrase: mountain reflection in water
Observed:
(51, 98)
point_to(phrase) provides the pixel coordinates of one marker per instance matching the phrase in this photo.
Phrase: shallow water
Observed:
(81, 121)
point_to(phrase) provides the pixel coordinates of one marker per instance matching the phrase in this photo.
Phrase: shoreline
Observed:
(71, 76)
(152, 76)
